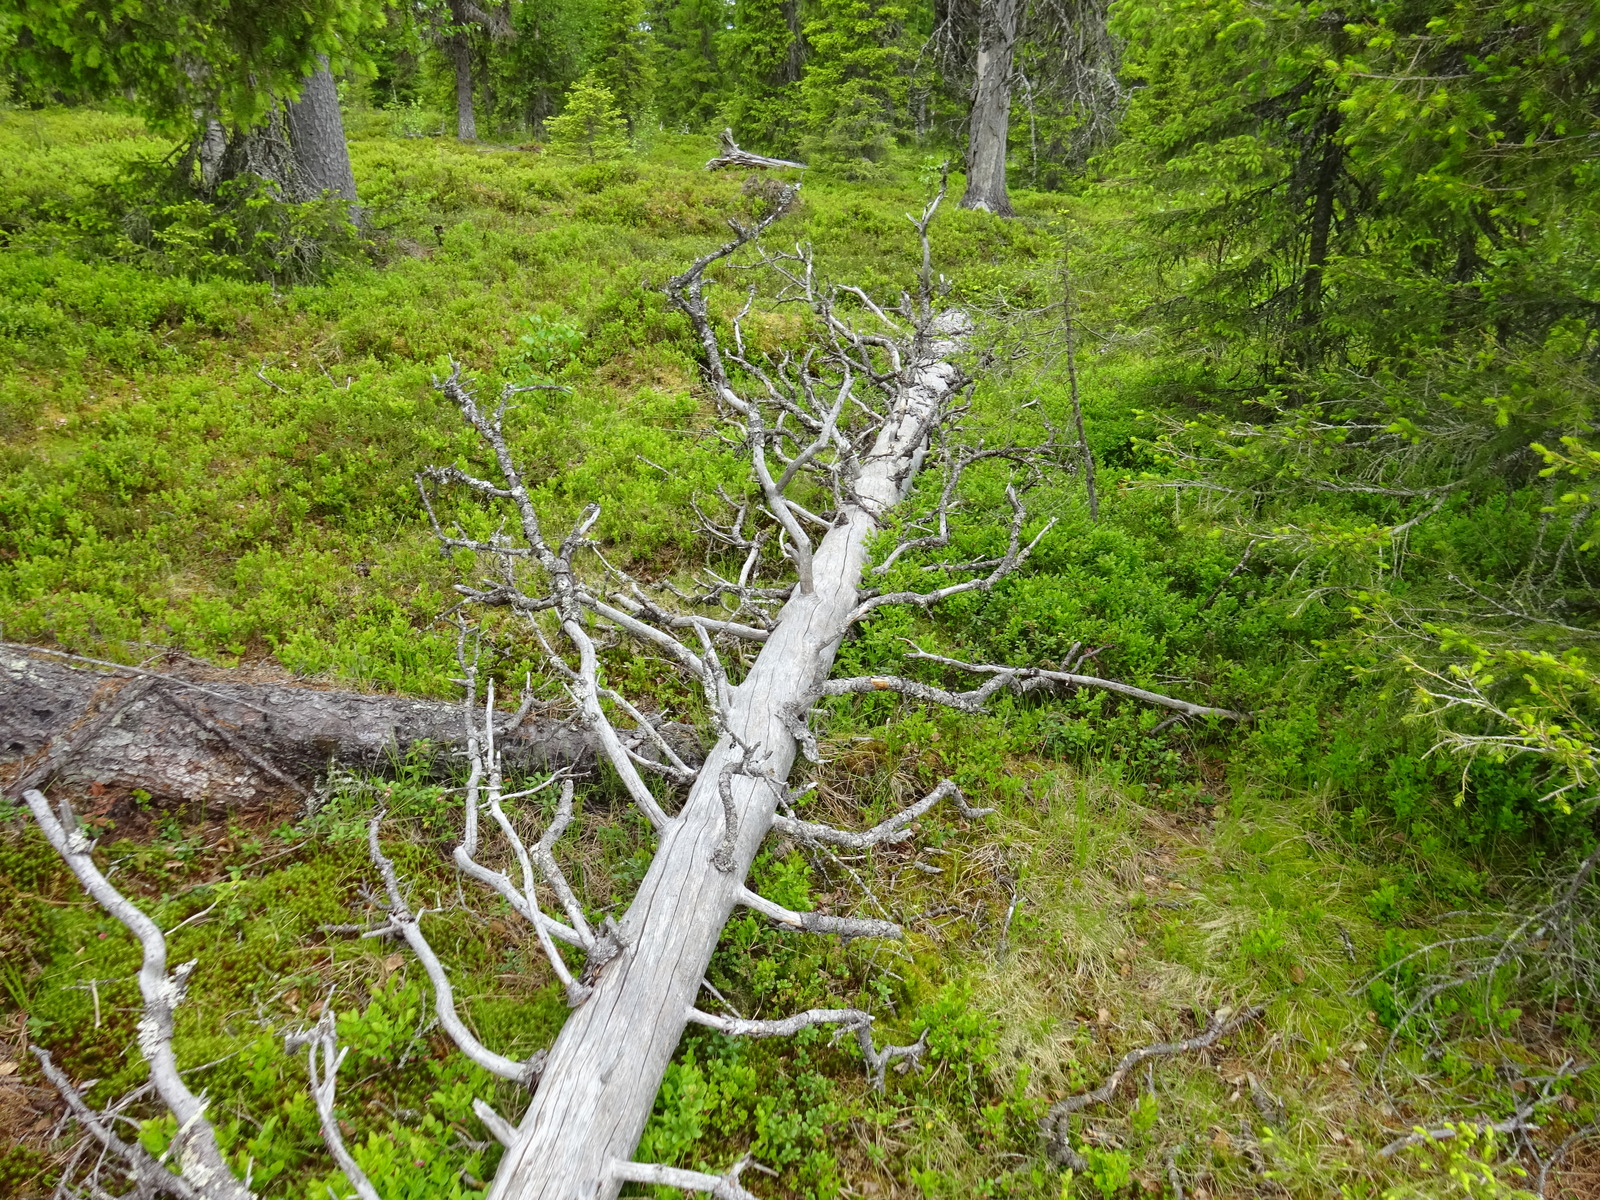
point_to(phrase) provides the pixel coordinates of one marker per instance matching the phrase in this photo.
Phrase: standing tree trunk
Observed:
(316, 138)
(211, 152)
(461, 58)
(991, 110)
(1323, 188)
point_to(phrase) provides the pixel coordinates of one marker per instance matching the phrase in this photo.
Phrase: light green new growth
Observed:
(591, 126)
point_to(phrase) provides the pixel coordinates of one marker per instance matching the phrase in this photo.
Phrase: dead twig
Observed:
(1055, 1126)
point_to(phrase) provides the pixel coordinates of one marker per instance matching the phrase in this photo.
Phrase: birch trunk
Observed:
(604, 1071)
(991, 110)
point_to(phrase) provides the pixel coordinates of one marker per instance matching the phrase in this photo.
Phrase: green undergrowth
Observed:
(1081, 920)
(224, 466)
(201, 455)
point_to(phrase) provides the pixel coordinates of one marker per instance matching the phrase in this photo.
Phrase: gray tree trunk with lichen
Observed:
(316, 138)
(298, 149)
(991, 109)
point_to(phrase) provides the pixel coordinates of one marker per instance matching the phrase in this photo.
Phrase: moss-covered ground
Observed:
(201, 463)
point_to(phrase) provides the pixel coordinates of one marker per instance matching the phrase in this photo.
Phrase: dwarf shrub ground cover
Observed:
(201, 459)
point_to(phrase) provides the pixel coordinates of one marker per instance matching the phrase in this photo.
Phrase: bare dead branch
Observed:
(194, 1149)
(1516, 1123)
(903, 1058)
(565, 595)
(1054, 1125)
(970, 702)
(732, 156)
(720, 1187)
(815, 922)
(1244, 560)
(722, 858)
(1174, 1179)
(143, 1170)
(955, 472)
(642, 606)
(401, 918)
(585, 689)
(481, 750)
(502, 1130)
(687, 292)
(889, 831)
(1560, 1153)
(323, 1058)
(1016, 554)
(544, 856)
(671, 763)
(1017, 679)
(848, 1020)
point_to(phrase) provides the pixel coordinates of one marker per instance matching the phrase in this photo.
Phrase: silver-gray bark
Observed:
(194, 1149)
(605, 1068)
(991, 109)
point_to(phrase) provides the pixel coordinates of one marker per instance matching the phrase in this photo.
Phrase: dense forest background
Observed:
(1318, 280)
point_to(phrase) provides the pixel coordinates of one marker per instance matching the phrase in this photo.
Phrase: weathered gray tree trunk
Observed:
(461, 60)
(601, 1079)
(211, 152)
(991, 109)
(316, 137)
(299, 149)
(206, 735)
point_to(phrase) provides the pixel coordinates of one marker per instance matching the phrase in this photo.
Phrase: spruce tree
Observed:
(622, 62)
(854, 85)
(590, 126)
(237, 79)
(544, 58)
(765, 54)
(689, 37)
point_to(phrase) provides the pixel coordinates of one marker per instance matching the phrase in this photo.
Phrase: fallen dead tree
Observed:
(733, 156)
(192, 734)
(854, 418)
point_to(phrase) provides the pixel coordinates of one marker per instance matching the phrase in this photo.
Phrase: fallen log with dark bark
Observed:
(193, 733)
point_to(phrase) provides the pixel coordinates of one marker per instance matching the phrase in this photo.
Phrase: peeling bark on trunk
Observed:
(316, 136)
(211, 151)
(189, 737)
(600, 1081)
(991, 110)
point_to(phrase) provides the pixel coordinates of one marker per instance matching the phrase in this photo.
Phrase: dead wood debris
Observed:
(1055, 1126)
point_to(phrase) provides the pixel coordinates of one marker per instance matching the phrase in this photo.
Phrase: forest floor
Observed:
(198, 463)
